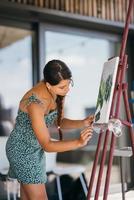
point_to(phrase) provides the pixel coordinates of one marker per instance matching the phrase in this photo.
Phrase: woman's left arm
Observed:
(72, 124)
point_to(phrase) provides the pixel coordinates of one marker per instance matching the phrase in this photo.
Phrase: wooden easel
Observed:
(120, 89)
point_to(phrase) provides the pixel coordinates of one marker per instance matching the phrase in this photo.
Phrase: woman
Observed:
(39, 108)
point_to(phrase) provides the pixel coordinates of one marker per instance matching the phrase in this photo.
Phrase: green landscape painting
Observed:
(106, 89)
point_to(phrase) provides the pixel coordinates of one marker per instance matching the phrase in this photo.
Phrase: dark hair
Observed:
(55, 71)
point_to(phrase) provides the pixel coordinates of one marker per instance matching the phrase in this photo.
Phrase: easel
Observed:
(120, 89)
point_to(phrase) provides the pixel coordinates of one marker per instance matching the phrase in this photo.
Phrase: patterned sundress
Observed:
(25, 154)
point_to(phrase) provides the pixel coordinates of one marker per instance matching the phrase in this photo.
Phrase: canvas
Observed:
(106, 89)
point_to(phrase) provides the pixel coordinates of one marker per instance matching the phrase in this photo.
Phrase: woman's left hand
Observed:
(88, 120)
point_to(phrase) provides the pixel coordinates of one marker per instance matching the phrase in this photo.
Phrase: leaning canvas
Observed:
(106, 90)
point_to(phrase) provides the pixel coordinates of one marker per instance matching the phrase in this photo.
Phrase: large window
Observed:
(15, 72)
(85, 57)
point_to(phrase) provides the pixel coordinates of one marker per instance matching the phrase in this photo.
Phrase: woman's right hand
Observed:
(85, 136)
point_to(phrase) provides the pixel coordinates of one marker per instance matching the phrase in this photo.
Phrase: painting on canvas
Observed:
(106, 89)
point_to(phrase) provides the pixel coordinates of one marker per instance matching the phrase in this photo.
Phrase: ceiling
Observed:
(9, 35)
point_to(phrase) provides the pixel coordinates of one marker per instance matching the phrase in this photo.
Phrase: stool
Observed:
(121, 153)
(58, 171)
(53, 168)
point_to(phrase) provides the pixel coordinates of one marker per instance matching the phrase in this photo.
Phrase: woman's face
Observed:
(62, 88)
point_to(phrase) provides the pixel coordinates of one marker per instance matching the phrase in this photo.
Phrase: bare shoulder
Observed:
(34, 89)
(38, 97)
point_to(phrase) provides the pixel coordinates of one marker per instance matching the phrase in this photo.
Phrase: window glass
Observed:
(15, 72)
(85, 57)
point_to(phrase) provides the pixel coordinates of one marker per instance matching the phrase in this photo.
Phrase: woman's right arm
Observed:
(40, 129)
(61, 146)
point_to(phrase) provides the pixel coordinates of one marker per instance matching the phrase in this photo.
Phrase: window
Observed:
(85, 57)
(15, 72)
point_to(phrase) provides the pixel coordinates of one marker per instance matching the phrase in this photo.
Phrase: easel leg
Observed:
(113, 140)
(125, 96)
(122, 179)
(94, 166)
(102, 165)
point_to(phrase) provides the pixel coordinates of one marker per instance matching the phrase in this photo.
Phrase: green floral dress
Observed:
(25, 154)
